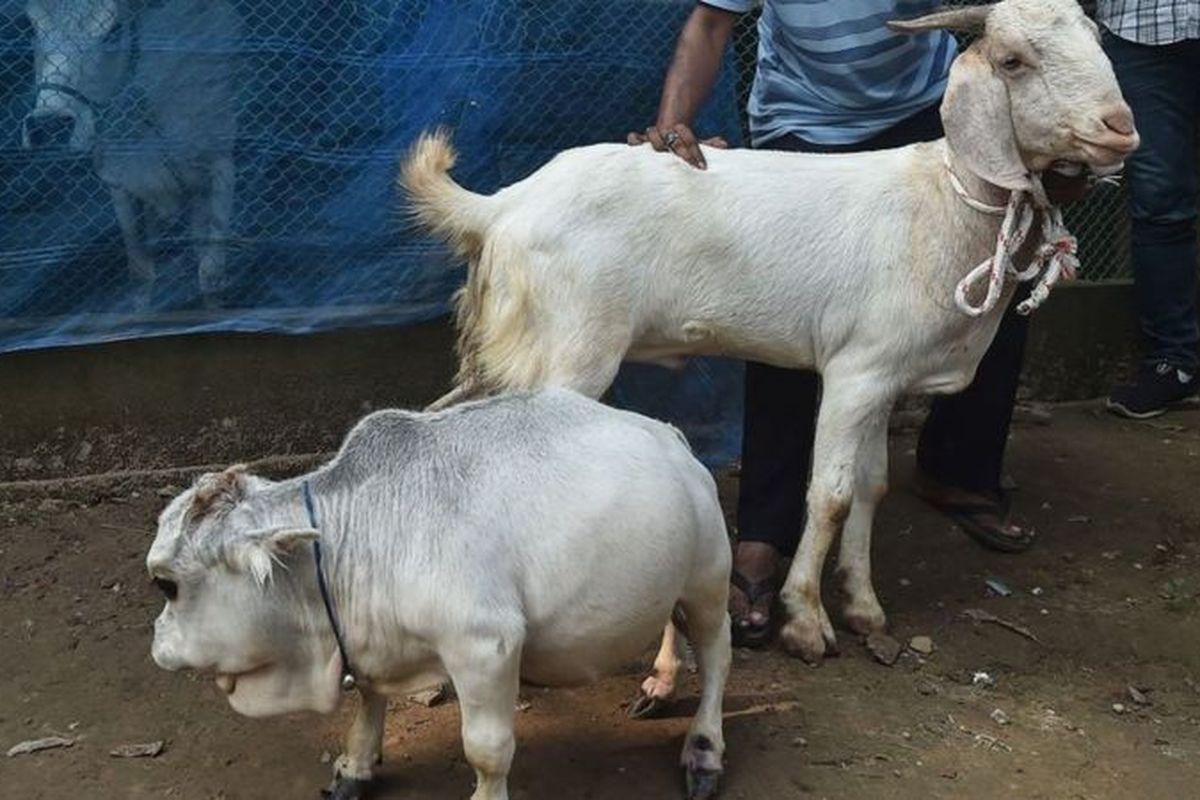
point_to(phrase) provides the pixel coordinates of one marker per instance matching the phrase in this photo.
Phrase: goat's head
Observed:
(1033, 88)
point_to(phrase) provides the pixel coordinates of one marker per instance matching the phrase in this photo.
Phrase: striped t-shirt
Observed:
(832, 72)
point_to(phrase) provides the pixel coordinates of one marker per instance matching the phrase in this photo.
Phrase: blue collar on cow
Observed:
(348, 679)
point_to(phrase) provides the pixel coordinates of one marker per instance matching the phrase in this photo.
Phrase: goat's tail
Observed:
(440, 204)
(494, 308)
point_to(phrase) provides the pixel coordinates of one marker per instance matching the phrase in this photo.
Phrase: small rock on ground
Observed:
(884, 648)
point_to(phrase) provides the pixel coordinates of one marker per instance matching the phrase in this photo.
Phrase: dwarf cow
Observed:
(544, 537)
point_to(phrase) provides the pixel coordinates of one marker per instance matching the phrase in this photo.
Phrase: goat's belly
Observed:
(698, 337)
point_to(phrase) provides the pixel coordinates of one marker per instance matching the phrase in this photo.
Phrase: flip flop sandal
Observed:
(976, 520)
(746, 633)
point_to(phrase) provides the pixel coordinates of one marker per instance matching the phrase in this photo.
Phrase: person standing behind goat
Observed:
(1154, 46)
(832, 78)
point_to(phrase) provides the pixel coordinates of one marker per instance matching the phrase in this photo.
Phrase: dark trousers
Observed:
(1160, 84)
(963, 440)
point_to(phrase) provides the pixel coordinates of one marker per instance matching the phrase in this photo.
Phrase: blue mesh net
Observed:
(213, 165)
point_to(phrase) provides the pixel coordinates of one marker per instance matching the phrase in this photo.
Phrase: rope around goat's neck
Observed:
(1055, 259)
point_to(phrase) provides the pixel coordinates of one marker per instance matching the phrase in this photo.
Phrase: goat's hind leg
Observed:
(659, 688)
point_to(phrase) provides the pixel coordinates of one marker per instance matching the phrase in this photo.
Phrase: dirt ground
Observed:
(1111, 592)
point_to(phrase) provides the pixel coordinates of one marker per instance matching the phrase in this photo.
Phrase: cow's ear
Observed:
(284, 540)
(258, 550)
(215, 489)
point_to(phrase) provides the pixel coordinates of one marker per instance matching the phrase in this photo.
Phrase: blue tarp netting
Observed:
(202, 165)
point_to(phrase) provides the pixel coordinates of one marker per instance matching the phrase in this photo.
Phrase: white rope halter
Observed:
(1054, 259)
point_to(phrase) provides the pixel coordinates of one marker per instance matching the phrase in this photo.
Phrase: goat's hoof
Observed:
(865, 622)
(645, 707)
(701, 783)
(653, 697)
(809, 642)
(346, 789)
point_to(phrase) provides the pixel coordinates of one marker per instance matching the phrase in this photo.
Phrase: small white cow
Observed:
(486, 543)
(846, 264)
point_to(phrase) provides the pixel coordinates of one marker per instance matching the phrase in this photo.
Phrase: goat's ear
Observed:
(977, 116)
(969, 19)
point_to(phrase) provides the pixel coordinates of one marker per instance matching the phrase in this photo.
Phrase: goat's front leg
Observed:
(862, 612)
(486, 672)
(211, 218)
(138, 256)
(352, 771)
(849, 408)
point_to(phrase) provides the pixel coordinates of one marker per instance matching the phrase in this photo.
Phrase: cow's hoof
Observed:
(701, 783)
(346, 789)
(701, 767)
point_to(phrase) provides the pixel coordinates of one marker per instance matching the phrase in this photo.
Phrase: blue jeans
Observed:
(1161, 83)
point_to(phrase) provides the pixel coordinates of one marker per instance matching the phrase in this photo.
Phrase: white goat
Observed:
(843, 263)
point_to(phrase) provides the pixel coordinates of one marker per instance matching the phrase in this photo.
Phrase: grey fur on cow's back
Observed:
(452, 447)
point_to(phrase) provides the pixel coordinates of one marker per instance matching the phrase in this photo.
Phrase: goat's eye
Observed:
(1011, 63)
(169, 588)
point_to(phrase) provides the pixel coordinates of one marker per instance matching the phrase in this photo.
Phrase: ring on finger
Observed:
(671, 138)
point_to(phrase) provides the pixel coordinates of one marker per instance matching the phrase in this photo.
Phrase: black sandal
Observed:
(977, 515)
(746, 633)
(976, 520)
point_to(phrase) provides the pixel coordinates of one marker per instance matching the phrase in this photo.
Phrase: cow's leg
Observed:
(211, 217)
(353, 769)
(849, 408)
(704, 747)
(658, 689)
(862, 612)
(139, 260)
(485, 673)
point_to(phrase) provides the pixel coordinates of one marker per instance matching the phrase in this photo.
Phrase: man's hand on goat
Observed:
(678, 139)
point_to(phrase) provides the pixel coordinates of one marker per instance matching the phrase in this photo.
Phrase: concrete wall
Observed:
(224, 398)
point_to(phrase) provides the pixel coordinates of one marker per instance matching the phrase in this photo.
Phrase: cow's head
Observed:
(83, 50)
(241, 600)
(1033, 88)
